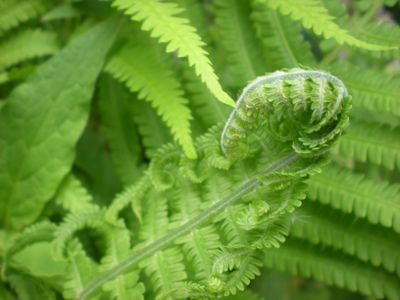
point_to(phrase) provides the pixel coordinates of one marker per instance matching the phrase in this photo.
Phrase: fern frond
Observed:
(328, 227)
(14, 12)
(116, 114)
(126, 286)
(376, 201)
(144, 72)
(314, 15)
(163, 22)
(238, 267)
(243, 52)
(80, 271)
(38, 232)
(153, 131)
(372, 31)
(283, 41)
(370, 89)
(27, 45)
(300, 258)
(207, 110)
(29, 288)
(372, 142)
(165, 268)
(89, 218)
(72, 196)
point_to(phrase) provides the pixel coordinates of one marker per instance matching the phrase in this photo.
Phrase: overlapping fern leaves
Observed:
(203, 222)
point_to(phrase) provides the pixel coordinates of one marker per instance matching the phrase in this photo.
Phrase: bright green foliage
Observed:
(315, 16)
(40, 123)
(298, 257)
(14, 12)
(125, 173)
(116, 112)
(377, 201)
(375, 91)
(239, 41)
(369, 243)
(160, 18)
(282, 39)
(372, 142)
(27, 45)
(135, 65)
(267, 178)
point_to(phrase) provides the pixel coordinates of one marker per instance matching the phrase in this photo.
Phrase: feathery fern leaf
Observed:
(205, 109)
(72, 196)
(372, 142)
(314, 15)
(81, 270)
(321, 225)
(372, 31)
(160, 18)
(116, 114)
(301, 258)
(282, 39)
(377, 201)
(36, 233)
(153, 132)
(165, 268)
(135, 65)
(30, 288)
(27, 45)
(241, 46)
(14, 12)
(124, 287)
(370, 89)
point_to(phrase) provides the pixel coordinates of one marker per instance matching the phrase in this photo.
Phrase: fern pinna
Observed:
(248, 177)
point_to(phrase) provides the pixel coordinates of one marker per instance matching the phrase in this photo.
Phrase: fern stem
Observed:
(186, 228)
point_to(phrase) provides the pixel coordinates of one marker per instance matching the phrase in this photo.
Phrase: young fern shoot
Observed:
(208, 218)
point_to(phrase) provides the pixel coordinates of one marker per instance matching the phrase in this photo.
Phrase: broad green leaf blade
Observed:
(41, 122)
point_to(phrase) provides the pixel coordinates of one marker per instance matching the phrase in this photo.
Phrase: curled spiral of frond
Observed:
(308, 109)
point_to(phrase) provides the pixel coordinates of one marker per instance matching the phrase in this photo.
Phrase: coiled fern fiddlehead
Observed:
(247, 179)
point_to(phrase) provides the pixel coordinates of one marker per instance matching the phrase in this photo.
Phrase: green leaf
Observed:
(160, 18)
(14, 12)
(116, 114)
(313, 14)
(145, 72)
(27, 45)
(240, 43)
(41, 122)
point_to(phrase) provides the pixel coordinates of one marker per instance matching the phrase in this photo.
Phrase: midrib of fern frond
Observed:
(314, 15)
(160, 18)
(186, 228)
